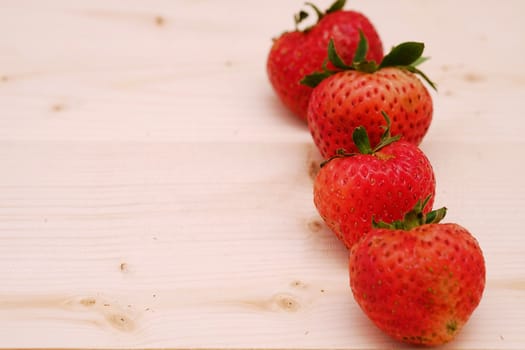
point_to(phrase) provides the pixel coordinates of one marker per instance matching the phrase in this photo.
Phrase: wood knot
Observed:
(121, 322)
(313, 169)
(313, 161)
(87, 302)
(124, 267)
(299, 284)
(160, 21)
(57, 107)
(315, 225)
(473, 77)
(286, 303)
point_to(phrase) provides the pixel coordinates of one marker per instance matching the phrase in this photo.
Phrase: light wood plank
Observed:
(154, 193)
(145, 251)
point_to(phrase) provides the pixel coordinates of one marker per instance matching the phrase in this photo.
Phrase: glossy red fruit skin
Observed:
(350, 99)
(296, 54)
(350, 191)
(419, 286)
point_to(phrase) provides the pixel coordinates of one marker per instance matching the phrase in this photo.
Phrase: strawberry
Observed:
(297, 53)
(381, 183)
(418, 280)
(353, 95)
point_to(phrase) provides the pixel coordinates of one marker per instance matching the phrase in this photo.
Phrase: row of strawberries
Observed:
(417, 280)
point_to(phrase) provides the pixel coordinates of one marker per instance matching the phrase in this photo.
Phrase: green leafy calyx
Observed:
(362, 141)
(407, 55)
(302, 15)
(414, 218)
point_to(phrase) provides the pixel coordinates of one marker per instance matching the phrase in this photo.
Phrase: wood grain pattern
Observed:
(155, 194)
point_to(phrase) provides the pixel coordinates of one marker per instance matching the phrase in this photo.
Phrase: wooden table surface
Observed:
(155, 194)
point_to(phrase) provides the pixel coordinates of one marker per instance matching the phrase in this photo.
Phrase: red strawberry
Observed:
(355, 95)
(381, 183)
(419, 281)
(298, 53)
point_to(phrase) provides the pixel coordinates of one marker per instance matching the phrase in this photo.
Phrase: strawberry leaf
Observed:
(386, 138)
(435, 216)
(302, 15)
(423, 75)
(407, 55)
(361, 140)
(414, 218)
(419, 61)
(365, 67)
(362, 49)
(299, 17)
(314, 79)
(334, 57)
(404, 54)
(386, 133)
(336, 6)
(340, 153)
(318, 12)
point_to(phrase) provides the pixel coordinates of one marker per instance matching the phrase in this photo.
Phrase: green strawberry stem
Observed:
(362, 141)
(302, 15)
(386, 138)
(406, 55)
(414, 218)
